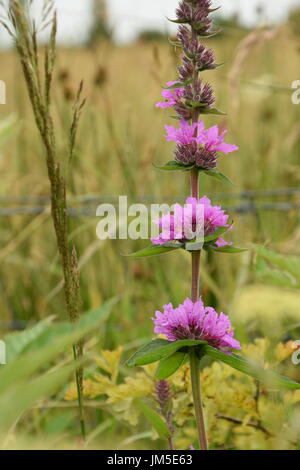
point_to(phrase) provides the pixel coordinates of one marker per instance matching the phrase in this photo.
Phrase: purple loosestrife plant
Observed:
(164, 401)
(193, 330)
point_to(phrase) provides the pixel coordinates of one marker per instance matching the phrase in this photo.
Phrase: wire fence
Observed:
(244, 202)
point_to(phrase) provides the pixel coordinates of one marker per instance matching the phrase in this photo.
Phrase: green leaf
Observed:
(23, 395)
(227, 249)
(155, 420)
(17, 343)
(212, 10)
(210, 34)
(290, 264)
(220, 231)
(159, 349)
(179, 84)
(179, 21)
(203, 69)
(169, 365)
(198, 243)
(197, 26)
(87, 322)
(214, 111)
(174, 244)
(174, 166)
(175, 43)
(195, 104)
(254, 370)
(48, 345)
(275, 277)
(203, 109)
(219, 176)
(153, 250)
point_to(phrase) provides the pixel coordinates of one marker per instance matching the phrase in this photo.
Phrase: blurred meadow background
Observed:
(120, 137)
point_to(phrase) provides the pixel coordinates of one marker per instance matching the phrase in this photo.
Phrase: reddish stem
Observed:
(196, 255)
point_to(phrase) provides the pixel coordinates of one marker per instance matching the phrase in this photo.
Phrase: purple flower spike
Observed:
(197, 322)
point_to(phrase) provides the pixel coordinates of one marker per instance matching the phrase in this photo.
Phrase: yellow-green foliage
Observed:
(268, 309)
(240, 413)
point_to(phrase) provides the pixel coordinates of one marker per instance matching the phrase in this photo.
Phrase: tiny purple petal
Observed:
(221, 242)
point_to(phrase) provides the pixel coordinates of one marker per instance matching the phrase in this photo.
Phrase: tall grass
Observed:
(24, 32)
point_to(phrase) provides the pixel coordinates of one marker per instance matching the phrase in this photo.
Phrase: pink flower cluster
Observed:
(197, 322)
(210, 139)
(193, 220)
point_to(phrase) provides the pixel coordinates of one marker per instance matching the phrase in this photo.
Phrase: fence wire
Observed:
(245, 202)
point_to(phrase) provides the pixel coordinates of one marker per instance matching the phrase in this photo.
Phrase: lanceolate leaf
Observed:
(227, 249)
(174, 166)
(175, 244)
(198, 244)
(219, 176)
(202, 69)
(216, 234)
(179, 21)
(153, 250)
(22, 395)
(179, 84)
(195, 104)
(210, 34)
(159, 349)
(290, 264)
(254, 370)
(212, 10)
(175, 43)
(49, 344)
(17, 343)
(155, 420)
(169, 365)
(215, 111)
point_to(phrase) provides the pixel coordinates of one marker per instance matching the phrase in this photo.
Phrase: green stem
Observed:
(195, 379)
(80, 398)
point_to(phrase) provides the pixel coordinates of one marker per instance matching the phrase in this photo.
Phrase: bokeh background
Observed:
(120, 50)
